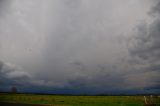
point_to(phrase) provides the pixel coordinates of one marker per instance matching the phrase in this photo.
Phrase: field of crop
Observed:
(55, 100)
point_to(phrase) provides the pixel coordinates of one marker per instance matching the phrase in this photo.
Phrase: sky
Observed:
(80, 46)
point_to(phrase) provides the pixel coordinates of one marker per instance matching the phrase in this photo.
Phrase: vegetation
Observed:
(55, 100)
(14, 89)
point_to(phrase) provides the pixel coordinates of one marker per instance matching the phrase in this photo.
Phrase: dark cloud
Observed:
(1, 65)
(155, 9)
(5, 7)
(147, 44)
(10, 75)
(145, 50)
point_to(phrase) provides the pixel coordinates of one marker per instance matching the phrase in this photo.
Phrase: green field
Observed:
(55, 100)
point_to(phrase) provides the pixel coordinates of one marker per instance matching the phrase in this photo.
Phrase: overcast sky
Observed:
(101, 45)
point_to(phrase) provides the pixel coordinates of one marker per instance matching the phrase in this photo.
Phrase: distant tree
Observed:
(14, 89)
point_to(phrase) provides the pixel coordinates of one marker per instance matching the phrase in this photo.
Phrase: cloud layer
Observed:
(145, 48)
(102, 45)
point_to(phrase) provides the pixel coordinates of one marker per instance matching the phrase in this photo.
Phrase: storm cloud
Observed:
(10, 75)
(145, 48)
(105, 45)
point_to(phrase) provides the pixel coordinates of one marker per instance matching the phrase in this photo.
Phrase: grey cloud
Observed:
(147, 44)
(143, 80)
(145, 50)
(83, 46)
(156, 9)
(78, 43)
(12, 75)
(4, 4)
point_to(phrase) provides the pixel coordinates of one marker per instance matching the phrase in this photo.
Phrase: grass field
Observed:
(55, 100)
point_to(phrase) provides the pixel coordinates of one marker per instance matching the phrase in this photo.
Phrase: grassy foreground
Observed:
(55, 100)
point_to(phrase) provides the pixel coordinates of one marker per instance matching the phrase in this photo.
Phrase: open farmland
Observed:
(58, 100)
